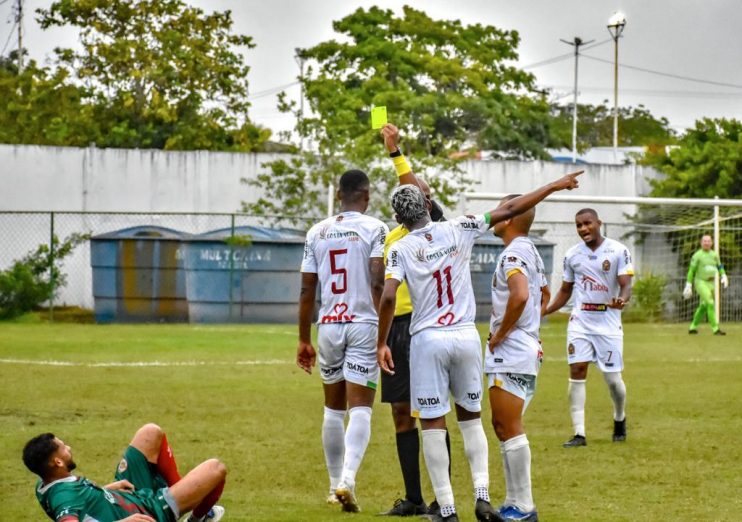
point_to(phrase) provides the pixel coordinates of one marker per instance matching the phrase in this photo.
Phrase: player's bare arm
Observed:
(527, 201)
(138, 518)
(545, 298)
(562, 296)
(306, 356)
(120, 485)
(386, 316)
(624, 294)
(517, 299)
(376, 269)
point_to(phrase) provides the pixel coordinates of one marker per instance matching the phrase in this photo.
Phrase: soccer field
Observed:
(235, 392)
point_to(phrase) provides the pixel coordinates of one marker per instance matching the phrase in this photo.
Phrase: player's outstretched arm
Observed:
(517, 299)
(390, 134)
(138, 518)
(562, 296)
(386, 316)
(305, 353)
(522, 203)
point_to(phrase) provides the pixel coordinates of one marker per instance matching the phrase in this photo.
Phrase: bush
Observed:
(648, 291)
(35, 278)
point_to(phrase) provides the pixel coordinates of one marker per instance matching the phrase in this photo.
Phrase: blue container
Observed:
(138, 276)
(252, 279)
(484, 261)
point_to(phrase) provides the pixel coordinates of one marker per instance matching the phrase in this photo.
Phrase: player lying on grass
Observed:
(148, 487)
(445, 350)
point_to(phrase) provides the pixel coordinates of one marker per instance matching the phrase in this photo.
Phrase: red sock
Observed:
(209, 500)
(166, 463)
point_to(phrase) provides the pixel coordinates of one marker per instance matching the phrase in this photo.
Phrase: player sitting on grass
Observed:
(148, 487)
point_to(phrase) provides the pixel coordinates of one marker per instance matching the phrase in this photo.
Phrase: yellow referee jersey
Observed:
(404, 303)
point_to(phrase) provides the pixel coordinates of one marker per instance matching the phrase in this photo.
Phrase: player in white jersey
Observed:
(344, 254)
(513, 358)
(599, 270)
(445, 352)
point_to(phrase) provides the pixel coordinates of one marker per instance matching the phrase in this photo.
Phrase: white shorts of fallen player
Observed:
(443, 361)
(347, 351)
(604, 350)
(521, 385)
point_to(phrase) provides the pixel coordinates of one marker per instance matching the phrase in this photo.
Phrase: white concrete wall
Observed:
(45, 179)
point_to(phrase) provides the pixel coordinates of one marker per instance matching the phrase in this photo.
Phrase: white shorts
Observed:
(443, 360)
(519, 384)
(347, 351)
(604, 350)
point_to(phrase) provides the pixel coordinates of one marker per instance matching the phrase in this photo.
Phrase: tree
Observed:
(448, 86)
(636, 127)
(150, 74)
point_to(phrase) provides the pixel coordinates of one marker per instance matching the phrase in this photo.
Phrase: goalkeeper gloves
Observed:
(724, 281)
(688, 291)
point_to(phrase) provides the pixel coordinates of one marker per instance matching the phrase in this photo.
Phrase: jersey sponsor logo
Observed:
(428, 401)
(354, 367)
(592, 257)
(350, 235)
(499, 359)
(446, 319)
(594, 307)
(327, 372)
(592, 285)
(517, 379)
(393, 258)
(340, 315)
(123, 465)
(571, 349)
(474, 396)
(626, 257)
(469, 225)
(423, 255)
(606, 265)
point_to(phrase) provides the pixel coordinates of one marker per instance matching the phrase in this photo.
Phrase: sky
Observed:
(689, 38)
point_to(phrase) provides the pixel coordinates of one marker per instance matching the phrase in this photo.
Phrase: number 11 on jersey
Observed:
(439, 285)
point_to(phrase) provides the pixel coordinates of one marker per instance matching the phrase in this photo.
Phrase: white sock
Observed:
(356, 440)
(509, 493)
(518, 455)
(577, 394)
(475, 447)
(436, 460)
(333, 442)
(617, 388)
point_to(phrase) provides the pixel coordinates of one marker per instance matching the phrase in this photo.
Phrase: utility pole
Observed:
(300, 61)
(616, 25)
(576, 44)
(19, 21)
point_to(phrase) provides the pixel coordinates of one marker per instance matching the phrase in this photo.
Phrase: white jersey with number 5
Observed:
(595, 277)
(434, 260)
(338, 250)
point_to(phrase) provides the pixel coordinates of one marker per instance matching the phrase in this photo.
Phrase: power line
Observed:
(9, 37)
(659, 92)
(562, 57)
(668, 75)
(272, 90)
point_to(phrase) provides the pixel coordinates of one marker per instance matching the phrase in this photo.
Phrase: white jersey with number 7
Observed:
(434, 260)
(338, 250)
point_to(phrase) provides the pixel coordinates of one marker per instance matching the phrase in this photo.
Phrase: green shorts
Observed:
(150, 487)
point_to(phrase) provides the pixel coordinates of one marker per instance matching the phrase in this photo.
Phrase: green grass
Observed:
(681, 461)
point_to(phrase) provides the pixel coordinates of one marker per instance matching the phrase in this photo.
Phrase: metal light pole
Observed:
(576, 43)
(616, 25)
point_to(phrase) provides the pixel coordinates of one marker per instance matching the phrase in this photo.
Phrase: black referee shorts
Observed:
(396, 388)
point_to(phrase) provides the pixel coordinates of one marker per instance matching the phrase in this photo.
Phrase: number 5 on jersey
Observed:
(342, 287)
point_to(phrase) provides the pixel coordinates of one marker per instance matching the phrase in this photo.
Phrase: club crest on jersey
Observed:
(340, 315)
(571, 349)
(588, 283)
(428, 237)
(606, 265)
(339, 218)
(446, 319)
(123, 465)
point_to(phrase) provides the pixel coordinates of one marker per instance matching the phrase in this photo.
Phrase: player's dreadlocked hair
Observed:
(408, 202)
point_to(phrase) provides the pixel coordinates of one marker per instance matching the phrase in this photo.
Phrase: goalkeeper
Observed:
(704, 265)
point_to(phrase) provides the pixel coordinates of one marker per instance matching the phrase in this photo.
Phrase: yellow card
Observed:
(378, 117)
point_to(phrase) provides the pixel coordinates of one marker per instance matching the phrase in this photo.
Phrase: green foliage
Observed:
(648, 291)
(636, 127)
(449, 87)
(706, 163)
(35, 278)
(149, 74)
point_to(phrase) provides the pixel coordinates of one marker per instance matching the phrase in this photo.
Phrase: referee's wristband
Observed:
(397, 153)
(401, 165)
